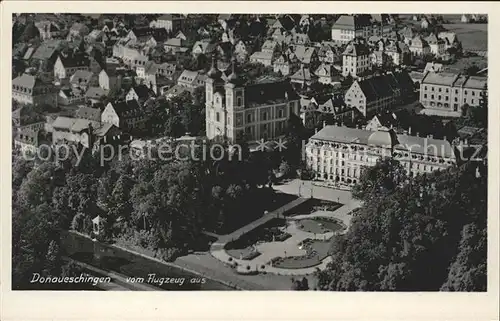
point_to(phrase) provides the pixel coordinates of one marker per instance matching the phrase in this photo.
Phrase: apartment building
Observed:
(376, 93)
(356, 58)
(445, 93)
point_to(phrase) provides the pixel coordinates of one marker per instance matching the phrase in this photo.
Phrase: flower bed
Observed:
(320, 225)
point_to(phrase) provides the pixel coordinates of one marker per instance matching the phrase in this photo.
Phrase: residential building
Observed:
(303, 77)
(81, 79)
(327, 74)
(77, 31)
(66, 65)
(433, 67)
(192, 79)
(139, 93)
(329, 53)
(255, 111)
(88, 113)
(126, 115)
(169, 22)
(376, 93)
(446, 93)
(356, 58)
(94, 95)
(110, 80)
(349, 27)
(265, 58)
(337, 155)
(29, 89)
(437, 45)
(29, 139)
(286, 64)
(307, 56)
(419, 47)
(204, 46)
(242, 50)
(70, 96)
(450, 38)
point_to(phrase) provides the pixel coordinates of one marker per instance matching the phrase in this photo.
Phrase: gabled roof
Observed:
(326, 70)
(383, 86)
(304, 53)
(80, 76)
(127, 109)
(303, 74)
(269, 92)
(356, 48)
(352, 22)
(47, 49)
(95, 92)
(70, 61)
(143, 92)
(88, 113)
(262, 55)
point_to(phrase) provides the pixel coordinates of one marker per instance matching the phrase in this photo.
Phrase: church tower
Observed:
(213, 117)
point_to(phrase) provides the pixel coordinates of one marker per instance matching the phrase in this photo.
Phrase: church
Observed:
(236, 109)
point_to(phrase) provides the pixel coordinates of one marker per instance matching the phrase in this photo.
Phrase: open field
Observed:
(463, 63)
(474, 37)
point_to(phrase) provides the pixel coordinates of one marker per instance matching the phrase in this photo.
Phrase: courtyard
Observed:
(295, 243)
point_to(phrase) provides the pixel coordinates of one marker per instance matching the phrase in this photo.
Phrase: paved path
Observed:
(307, 189)
(262, 220)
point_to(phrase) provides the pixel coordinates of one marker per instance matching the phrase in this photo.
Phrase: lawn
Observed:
(319, 225)
(472, 35)
(312, 206)
(465, 62)
(263, 233)
(317, 251)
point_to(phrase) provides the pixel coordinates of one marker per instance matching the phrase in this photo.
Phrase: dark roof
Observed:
(127, 109)
(384, 85)
(352, 22)
(88, 113)
(269, 93)
(160, 34)
(142, 91)
(357, 48)
(74, 60)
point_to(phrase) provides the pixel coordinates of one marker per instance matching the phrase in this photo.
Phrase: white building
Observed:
(338, 155)
(356, 58)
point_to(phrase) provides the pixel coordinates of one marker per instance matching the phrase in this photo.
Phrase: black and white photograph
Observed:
(223, 152)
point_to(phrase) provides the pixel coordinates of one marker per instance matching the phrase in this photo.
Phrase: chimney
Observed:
(417, 134)
(444, 138)
(316, 130)
(409, 131)
(430, 136)
(324, 123)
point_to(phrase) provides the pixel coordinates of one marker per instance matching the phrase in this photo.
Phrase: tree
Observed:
(300, 285)
(384, 177)
(30, 32)
(425, 235)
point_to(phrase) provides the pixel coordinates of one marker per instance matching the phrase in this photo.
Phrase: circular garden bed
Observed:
(320, 225)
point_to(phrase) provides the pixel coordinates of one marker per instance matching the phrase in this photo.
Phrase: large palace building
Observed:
(256, 111)
(338, 154)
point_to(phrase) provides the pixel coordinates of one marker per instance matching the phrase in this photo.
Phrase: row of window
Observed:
(473, 93)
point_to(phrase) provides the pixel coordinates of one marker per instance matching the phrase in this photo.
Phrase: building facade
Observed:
(28, 89)
(356, 58)
(257, 111)
(446, 93)
(337, 155)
